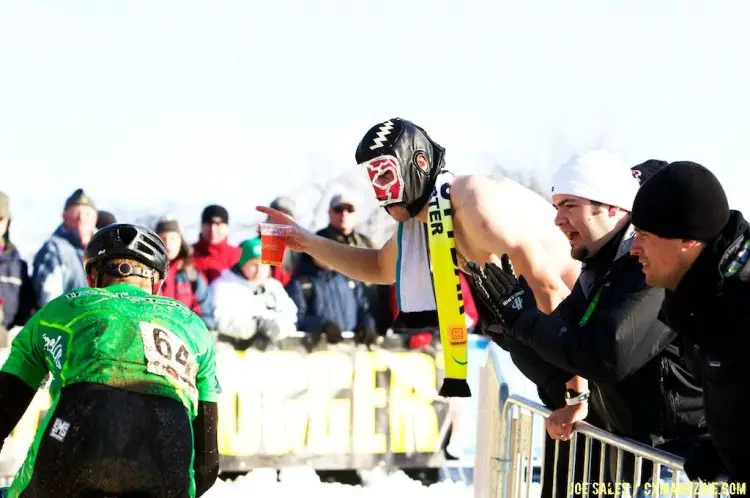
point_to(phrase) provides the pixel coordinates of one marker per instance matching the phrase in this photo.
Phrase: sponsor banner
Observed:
(341, 407)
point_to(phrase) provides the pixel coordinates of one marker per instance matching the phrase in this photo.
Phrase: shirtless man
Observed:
(491, 217)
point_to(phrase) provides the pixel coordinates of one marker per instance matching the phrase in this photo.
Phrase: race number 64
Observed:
(167, 355)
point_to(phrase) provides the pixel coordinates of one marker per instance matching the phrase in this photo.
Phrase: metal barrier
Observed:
(506, 467)
(518, 416)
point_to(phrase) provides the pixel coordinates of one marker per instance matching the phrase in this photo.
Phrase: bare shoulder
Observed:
(504, 211)
(494, 193)
(468, 190)
(463, 187)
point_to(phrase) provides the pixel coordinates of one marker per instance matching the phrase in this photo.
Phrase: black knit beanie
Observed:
(683, 200)
(214, 211)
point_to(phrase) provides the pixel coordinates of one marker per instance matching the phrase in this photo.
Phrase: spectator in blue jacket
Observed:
(58, 265)
(17, 300)
(329, 303)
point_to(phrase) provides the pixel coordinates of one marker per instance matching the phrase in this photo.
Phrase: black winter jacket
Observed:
(711, 308)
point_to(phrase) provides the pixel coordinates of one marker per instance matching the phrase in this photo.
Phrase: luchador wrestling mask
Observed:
(402, 163)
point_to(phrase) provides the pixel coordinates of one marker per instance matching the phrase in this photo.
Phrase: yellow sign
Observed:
(327, 402)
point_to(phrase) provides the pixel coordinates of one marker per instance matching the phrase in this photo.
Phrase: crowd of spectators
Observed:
(245, 302)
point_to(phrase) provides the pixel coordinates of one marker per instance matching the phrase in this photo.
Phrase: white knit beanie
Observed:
(597, 175)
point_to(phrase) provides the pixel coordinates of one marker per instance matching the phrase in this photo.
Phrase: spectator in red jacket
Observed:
(183, 281)
(213, 254)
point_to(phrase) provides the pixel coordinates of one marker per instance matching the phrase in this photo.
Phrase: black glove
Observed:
(702, 462)
(332, 332)
(501, 292)
(486, 309)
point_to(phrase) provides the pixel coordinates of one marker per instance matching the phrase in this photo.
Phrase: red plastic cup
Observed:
(273, 243)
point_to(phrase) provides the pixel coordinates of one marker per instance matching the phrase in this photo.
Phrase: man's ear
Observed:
(686, 244)
(91, 278)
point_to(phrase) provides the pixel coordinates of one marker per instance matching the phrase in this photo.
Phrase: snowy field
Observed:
(377, 484)
(296, 482)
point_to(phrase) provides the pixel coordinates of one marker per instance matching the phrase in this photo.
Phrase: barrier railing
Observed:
(506, 466)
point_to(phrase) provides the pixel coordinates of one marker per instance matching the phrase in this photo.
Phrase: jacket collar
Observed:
(723, 258)
(70, 236)
(601, 263)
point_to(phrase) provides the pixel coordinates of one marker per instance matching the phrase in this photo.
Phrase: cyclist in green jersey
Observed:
(133, 382)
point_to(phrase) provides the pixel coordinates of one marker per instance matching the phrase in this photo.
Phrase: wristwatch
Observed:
(573, 397)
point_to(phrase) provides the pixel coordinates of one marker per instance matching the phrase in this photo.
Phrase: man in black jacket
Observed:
(608, 329)
(692, 244)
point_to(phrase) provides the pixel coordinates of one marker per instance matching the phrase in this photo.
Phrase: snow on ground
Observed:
(304, 482)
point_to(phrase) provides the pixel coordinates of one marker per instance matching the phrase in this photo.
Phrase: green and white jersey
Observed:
(119, 336)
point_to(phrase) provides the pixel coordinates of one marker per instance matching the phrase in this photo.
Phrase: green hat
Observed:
(250, 251)
(79, 198)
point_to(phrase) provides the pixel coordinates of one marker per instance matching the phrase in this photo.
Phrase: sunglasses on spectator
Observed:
(341, 209)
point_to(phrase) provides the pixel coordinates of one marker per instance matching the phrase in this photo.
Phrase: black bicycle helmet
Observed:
(125, 240)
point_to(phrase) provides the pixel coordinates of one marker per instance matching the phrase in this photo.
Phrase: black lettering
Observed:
(454, 254)
(182, 356)
(162, 344)
(461, 309)
(433, 202)
(447, 212)
(436, 228)
(445, 191)
(450, 234)
(435, 216)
